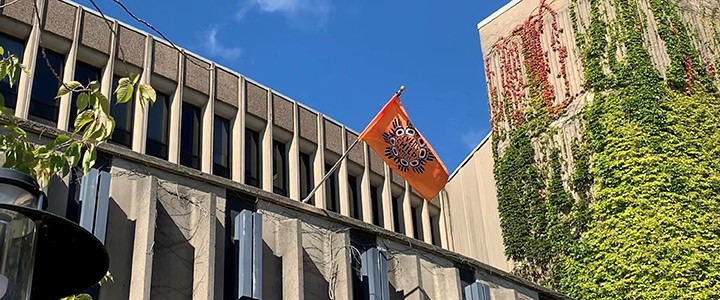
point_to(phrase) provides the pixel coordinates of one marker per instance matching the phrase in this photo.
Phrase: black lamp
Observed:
(42, 255)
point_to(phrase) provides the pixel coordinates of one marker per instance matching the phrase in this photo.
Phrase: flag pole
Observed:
(342, 157)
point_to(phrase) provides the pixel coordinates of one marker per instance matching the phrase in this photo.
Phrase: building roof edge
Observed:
(497, 13)
(465, 161)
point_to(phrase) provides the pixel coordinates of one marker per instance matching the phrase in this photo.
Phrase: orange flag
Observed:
(392, 136)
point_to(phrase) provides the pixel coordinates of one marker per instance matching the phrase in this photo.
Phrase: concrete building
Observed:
(473, 222)
(196, 197)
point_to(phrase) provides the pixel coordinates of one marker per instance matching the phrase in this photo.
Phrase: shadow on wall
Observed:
(173, 260)
(119, 242)
(272, 275)
(316, 286)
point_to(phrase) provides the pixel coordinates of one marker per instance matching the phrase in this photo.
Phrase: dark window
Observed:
(332, 194)
(157, 128)
(252, 158)
(280, 169)
(221, 147)
(43, 105)
(236, 202)
(15, 47)
(435, 229)
(306, 177)
(376, 199)
(190, 136)
(398, 218)
(84, 74)
(354, 193)
(415, 212)
(123, 115)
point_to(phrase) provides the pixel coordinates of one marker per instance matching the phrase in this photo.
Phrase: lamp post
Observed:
(42, 255)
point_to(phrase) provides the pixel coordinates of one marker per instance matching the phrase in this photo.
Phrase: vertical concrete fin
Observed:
(145, 213)
(290, 240)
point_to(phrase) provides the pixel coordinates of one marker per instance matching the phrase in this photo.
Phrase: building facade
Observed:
(196, 196)
(579, 92)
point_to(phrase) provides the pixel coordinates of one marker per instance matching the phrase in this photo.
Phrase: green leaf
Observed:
(2, 100)
(20, 132)
(2, 51)
(73, 153)
(124, 91)
(61, 139)
(82, 102)
(67, 88)
(4, 64)
(147, 92)
(89, 158)
(83, 119)
(134, 78)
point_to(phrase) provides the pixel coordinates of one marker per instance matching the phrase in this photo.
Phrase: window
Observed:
(354, 193)
(190, 136)
(435, 229)
(376, 200)
(398, 218)
(306, 177)
(415, 212)
(280, 166)
(332, 194)
(15, 47)
(252, 158)
(84, 74)
(221, 147)
(123, 115)
(43, 105)
(157, 130)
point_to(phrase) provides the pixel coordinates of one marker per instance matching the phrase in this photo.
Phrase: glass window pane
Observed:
(123, 115)
(221, 147)
(157, 129)
(279, 169)
(13, 47)
(354, 194)
(331, 191)
(306, 177)
(84, 74)
(252, 158)
(43, 105)
(376, 200)
(190, 137)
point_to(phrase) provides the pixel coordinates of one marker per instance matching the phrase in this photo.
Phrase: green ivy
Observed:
(643, 221)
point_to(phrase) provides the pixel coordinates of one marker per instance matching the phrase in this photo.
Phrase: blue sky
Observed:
(346, 58)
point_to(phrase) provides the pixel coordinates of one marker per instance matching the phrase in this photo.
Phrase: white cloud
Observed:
(216, 49)
(295, 10)
(472, 138)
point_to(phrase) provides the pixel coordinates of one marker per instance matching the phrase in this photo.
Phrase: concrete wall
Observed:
(472, 209)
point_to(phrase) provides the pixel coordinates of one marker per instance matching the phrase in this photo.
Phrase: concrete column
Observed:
(140, 121)
(203, 241)
(387, 200)
(208, 126)
(109, 72)
(407, 212)
(445, 234)
(425, 221)
(144, 213)
(339, 265)
(343, 188)
(294, 157)
(405, 276)
(69, 74)
(174, 129)
(367, 205)
(267, 150)
(319, 163)
(238, 136)
(29, 59)
(290, 244)
(448, 282)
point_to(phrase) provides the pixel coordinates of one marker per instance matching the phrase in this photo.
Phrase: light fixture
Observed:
(42, 255)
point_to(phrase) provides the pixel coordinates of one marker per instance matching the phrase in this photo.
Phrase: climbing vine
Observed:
(636, 217)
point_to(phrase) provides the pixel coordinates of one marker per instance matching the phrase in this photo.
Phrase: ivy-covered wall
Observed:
(628, 207)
